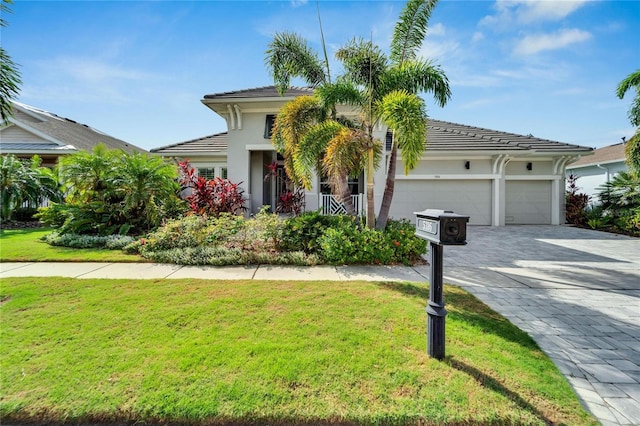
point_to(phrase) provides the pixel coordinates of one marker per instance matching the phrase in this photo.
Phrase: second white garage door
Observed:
(469, 197)
(528, 202)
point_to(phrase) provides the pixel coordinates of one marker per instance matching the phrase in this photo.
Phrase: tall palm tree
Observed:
(632, 148)
(287, 57)
(9, 73)
(389, 90)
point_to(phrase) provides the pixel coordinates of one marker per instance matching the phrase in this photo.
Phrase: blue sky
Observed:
(138, 69)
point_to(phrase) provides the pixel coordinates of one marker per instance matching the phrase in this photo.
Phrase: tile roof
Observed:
(447, 136)
(442, 136)
(70, 132)
(607, 154)
(260, 92)
(208, 144)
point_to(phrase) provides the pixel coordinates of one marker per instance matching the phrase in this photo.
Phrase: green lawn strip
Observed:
(256, 351)
(24, 245)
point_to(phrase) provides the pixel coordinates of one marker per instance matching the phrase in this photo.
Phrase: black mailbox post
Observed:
(440, 228)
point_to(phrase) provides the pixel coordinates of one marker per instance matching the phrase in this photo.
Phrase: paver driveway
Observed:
(576, 292)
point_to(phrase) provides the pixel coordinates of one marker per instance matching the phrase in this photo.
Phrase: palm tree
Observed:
(21, 182)
(389, 90)
(87, 176)
(144, 183)
(9, 74)
(632, 148)
(287, 57)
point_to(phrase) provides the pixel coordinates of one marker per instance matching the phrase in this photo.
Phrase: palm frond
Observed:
(418, 76)
(289, 56)
(410, 30)
(363, 61)
(312, 149)
(405, 115)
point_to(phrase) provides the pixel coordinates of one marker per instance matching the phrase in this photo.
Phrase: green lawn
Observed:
(247, 352)
(24, 245)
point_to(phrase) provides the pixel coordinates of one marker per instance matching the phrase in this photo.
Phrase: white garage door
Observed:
(528, 202)
(469, 197)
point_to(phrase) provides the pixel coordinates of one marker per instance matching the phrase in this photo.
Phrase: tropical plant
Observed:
(145, 184)
(110, 191)
(620, 201)
(9, 74)
(576, 202)
(632, 148)
(289, 56)
(390, 88)
(210, 197)
(22, 182)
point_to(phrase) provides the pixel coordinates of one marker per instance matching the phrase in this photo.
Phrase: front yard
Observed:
(251, 352)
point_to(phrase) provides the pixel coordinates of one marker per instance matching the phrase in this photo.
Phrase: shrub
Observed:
(301, 233)
(111, 242)
(576, 203)
(188, 231)
(348, 243)
(210, 197)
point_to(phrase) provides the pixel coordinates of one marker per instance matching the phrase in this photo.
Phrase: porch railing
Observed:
(331, 206)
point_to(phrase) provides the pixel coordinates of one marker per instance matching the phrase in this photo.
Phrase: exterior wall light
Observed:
(529, 166)
(467, 165)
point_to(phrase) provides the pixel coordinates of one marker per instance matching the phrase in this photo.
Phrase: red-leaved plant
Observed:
(210, 197)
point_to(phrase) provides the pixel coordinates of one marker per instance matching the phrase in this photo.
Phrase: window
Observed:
(213, 171)
(388, 141)
(268, 125)
(207, 172)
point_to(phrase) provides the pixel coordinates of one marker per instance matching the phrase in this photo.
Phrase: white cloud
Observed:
(436, 30)
(93, 71)
(509, 12)
(298, 3)
(532, 44)
(477, 36)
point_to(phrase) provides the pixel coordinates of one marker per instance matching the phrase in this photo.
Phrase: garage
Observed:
(528, 202)
(469, 197)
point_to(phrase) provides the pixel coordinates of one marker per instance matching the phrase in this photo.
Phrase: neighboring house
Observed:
(496, 178)
(598, 169)
(34, 131)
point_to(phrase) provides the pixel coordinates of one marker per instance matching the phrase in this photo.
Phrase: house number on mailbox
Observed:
(428, 226)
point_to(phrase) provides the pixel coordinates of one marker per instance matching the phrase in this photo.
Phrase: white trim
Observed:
(260, 147)
(447, 177)
(238, 116)
(232, 117)
(532, 177)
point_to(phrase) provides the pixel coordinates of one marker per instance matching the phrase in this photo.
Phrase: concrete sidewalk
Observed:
(259, 272)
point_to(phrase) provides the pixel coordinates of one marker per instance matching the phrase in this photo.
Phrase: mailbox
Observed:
(442, 226)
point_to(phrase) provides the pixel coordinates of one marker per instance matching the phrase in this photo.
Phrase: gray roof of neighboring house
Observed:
(446, 136)
(260, 92)
(208, 144)
(64, 131)
(608, 154)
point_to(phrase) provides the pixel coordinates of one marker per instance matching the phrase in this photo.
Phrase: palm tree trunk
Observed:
(343, 195)
(390, 184)
(371, 214)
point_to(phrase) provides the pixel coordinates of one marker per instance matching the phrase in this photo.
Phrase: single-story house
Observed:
(34, 131)
(496, 178)
(598, 169)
